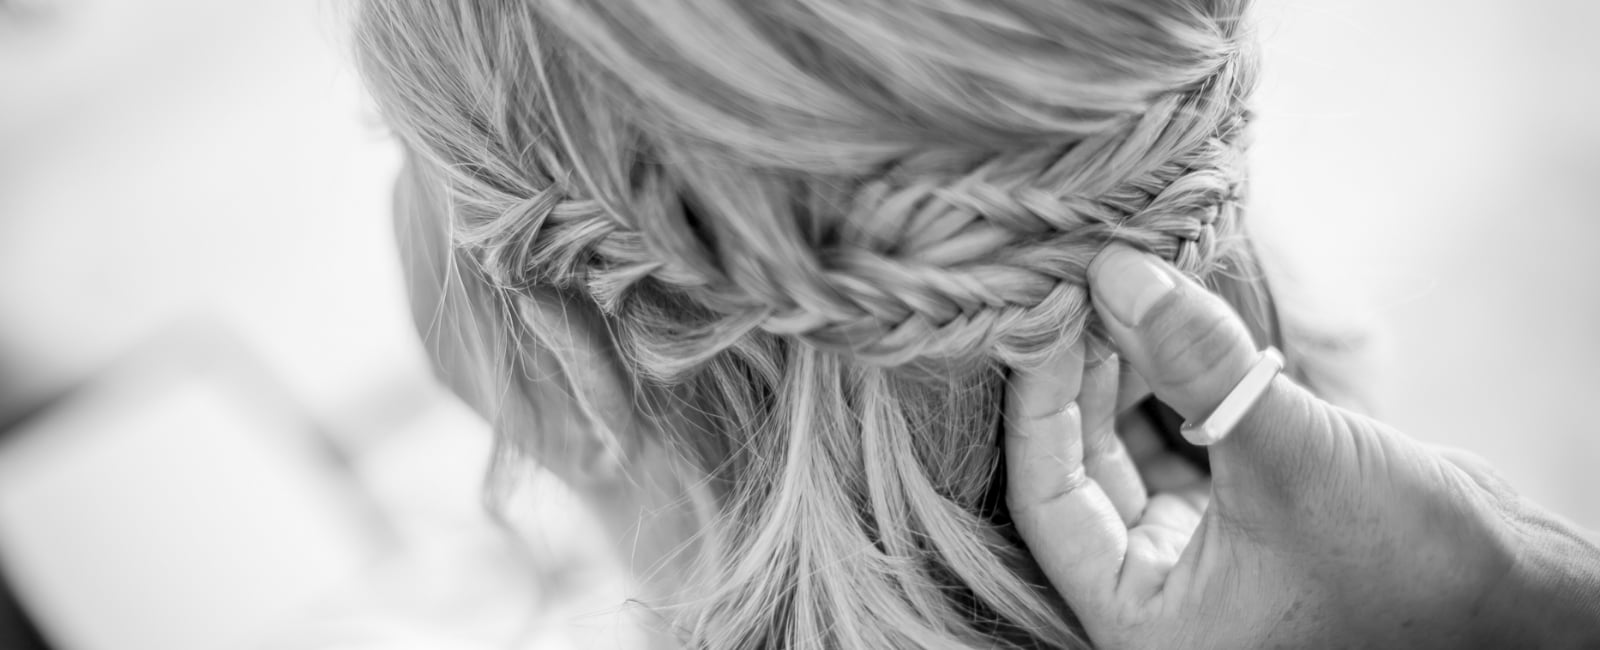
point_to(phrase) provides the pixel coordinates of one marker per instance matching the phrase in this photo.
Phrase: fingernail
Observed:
(1129, 283)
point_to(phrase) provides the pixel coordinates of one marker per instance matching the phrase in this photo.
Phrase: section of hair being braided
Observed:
(994, 262)
(987, 262)
(935, 258)
(817, 231)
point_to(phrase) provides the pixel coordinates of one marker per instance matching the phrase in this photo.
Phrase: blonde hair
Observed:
(816, 232)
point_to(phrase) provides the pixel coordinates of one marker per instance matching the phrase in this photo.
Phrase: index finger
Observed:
(1069, 524)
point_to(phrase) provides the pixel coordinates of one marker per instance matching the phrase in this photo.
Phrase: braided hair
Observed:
(816, 233)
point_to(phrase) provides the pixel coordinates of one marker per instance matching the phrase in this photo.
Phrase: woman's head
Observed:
(798, 241)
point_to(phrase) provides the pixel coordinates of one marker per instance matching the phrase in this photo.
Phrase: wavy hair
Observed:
(815, 234)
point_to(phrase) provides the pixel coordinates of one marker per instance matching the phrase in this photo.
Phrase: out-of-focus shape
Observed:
(177, 503)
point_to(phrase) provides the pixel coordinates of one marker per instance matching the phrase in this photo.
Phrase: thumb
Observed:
(1192, 349)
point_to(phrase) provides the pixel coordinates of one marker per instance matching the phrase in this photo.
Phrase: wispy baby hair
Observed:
(816, 231)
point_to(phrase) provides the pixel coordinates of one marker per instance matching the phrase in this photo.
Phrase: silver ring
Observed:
(1233, 408)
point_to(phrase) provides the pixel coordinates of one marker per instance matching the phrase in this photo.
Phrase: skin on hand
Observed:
(1319, 527)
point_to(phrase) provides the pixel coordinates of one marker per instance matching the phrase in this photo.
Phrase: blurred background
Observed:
(218, 431)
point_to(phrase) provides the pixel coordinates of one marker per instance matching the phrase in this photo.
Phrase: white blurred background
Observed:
(186, 172)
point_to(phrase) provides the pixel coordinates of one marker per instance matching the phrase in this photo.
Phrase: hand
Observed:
(1319, 526)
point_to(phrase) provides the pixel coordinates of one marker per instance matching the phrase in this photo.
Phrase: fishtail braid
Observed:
(990, 261)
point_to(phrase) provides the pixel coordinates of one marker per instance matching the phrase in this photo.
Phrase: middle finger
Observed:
(1105, 458)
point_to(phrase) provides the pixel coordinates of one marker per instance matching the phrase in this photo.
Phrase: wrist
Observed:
(1551, 595)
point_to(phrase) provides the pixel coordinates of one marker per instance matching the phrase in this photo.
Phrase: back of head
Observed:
(813, 233)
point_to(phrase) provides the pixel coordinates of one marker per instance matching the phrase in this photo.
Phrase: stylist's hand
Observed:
(1320, 527)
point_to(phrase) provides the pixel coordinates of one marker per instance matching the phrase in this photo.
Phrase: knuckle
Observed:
(1051, 492)
(1103, 443)
(1049, 415)
(1197, 344)
(1064, 486)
